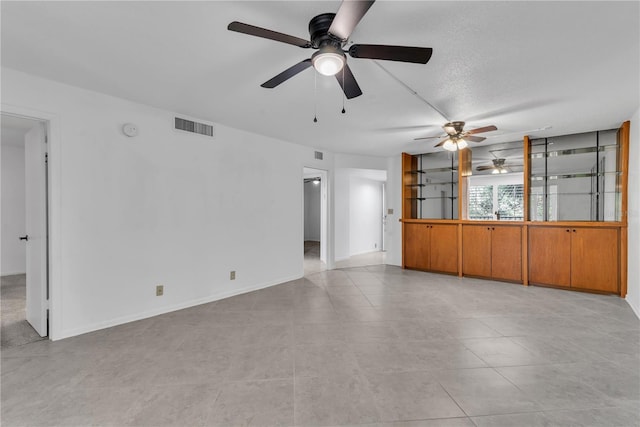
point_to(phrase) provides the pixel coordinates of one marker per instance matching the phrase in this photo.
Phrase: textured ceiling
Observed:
(522, 66)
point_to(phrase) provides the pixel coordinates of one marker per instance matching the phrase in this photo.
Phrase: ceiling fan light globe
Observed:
(328, 61)
(495, 171)
(449, 145)
(503, 171)
(462, 144)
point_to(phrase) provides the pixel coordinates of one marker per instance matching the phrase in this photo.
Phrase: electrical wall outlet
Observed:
(159, 290)
(389, 211)
(232, 275)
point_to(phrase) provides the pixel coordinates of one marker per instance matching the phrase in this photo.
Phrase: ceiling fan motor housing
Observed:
(319, 31)
(453, 128)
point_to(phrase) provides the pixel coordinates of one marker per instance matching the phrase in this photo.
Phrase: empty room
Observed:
(320, 213)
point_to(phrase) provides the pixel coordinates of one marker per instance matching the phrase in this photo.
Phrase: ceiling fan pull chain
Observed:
(343, 95)
(315, 97)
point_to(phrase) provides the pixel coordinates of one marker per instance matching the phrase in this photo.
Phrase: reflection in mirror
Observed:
(495, 190)
(437, 185)
(573, 178)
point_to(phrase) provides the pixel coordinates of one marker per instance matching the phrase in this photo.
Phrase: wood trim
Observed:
(525, 175)
(623, 167)
(525, 255)
(409, 206)
(464, 170)
(623, 261)
(460, 255)
(622, 188)
(592, 224)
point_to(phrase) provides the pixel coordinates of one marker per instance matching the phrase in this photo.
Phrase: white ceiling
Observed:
(571, 65)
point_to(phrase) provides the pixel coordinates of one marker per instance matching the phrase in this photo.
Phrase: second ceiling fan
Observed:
(456, 137)
(329, 33)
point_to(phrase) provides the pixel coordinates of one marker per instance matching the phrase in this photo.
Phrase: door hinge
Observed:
(46, 158)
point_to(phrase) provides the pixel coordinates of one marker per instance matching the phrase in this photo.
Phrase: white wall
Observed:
(312, 211)
(13, 251)
(370, 168)
(161, 208)
(365, 216)
(633, 271)
(342, 206)
(393, 235)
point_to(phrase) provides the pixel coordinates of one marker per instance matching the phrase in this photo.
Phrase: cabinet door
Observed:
(444, 248)
(476, 250)
(506, 252)
(416, 246)
(594, 259)
(550, 255)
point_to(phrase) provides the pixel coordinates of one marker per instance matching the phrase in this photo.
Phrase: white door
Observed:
(36, 228)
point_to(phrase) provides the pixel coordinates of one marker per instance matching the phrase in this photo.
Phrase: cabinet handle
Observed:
(488, 228)
(574, 230)
(567, 230)
(493, 228)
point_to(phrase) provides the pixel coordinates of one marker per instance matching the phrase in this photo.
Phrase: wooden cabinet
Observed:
(594, 259)
(576, 257)
(493, 251)
(550, 256)
(476, 250)
(416, 246)
(431, 247)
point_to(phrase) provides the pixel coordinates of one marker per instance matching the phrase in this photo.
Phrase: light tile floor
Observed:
(14, 328)
(375, 345)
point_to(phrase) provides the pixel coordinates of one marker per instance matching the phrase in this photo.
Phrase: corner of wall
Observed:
(633, 216)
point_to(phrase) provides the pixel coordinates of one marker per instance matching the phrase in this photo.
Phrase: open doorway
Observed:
(23, 200)
(315, 220)
(360, 220)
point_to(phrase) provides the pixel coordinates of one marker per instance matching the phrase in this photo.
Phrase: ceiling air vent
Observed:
(318, 155)
(193, 127)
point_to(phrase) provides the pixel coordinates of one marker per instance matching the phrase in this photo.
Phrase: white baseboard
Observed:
(366, 252)
(635, 309)
(68, 333)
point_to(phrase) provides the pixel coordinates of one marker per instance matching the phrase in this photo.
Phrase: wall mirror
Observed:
(495, 188)
(574, 178)
(434, 185)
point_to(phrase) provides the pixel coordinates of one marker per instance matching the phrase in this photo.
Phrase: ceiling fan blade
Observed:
(417, 55)
(252, 30)
(485, 168)
(427, 137)
(442, 142)
(287, 74)
(348, 16)
(473, 138)
(349, 85)
(481, 130)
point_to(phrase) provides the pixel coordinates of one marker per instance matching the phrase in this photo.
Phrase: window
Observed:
(496, 198)
(511, 202)
(481, 202)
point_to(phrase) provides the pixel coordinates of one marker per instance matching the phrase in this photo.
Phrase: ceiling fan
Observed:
(497, 167)
(456, 137)
(329, 33)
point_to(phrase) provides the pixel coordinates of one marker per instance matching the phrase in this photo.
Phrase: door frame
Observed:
(51, 125)
(326, 255)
